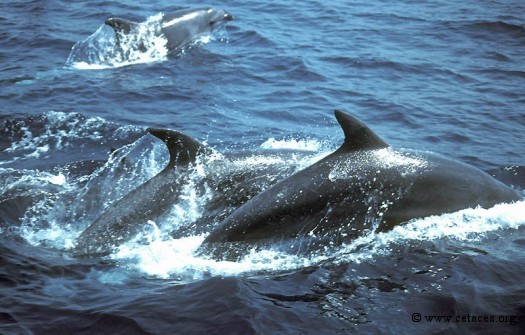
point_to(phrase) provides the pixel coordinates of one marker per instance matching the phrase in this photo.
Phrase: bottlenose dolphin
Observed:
(123, 220)
(179, 28)
(231, 182)
(363, 185)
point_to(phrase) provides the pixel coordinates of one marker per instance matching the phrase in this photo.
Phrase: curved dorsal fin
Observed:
(183, 149)
(357, 135)
(120, 25)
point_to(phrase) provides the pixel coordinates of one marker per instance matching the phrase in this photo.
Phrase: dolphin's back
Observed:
(447, 187)
(179, 28)
(124, 219)
(361, 186)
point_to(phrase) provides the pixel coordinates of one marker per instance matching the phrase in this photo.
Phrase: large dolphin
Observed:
(363, 185)
(179, 28)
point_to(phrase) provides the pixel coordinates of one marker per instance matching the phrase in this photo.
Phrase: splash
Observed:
(78, 202)
(468, 225)
(407, 163)
(165, 257)
(54, 132)
(292, 144)
(72, 204)
(101, 50)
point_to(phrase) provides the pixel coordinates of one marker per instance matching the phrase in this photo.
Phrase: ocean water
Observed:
(439, 76)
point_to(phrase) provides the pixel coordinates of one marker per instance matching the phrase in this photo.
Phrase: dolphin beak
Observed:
(228, 17)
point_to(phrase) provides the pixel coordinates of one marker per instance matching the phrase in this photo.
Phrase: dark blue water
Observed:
(442, 76)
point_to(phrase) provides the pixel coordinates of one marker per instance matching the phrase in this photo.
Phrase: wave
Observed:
(174, 258)
(502, 27)
(56, 137)
(56, 205)
(55, 220)
(487, 29)
(251, 38)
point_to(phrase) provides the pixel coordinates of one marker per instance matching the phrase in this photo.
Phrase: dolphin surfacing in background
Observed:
(363, 185)
(179, 28)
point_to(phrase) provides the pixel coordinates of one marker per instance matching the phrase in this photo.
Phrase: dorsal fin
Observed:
(357, 135)
(183, 149)
(120, 25)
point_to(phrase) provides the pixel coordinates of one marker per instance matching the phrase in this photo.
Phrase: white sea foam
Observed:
(468, 225)
(166, 257)
(145, 45)
(154, 252)
(99, 51)
(59, 131)
(292, 144)
(388, 158)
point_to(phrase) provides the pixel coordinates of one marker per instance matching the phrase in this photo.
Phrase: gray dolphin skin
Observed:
(363, 185)
(180, 27)
(123, 220)
(233, 185)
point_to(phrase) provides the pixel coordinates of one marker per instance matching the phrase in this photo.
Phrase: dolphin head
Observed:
(217, 17)
(194, 21)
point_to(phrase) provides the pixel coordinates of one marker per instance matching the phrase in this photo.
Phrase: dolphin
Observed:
(179, 28)
(231, 181)
(365, 185)
(123, 220)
